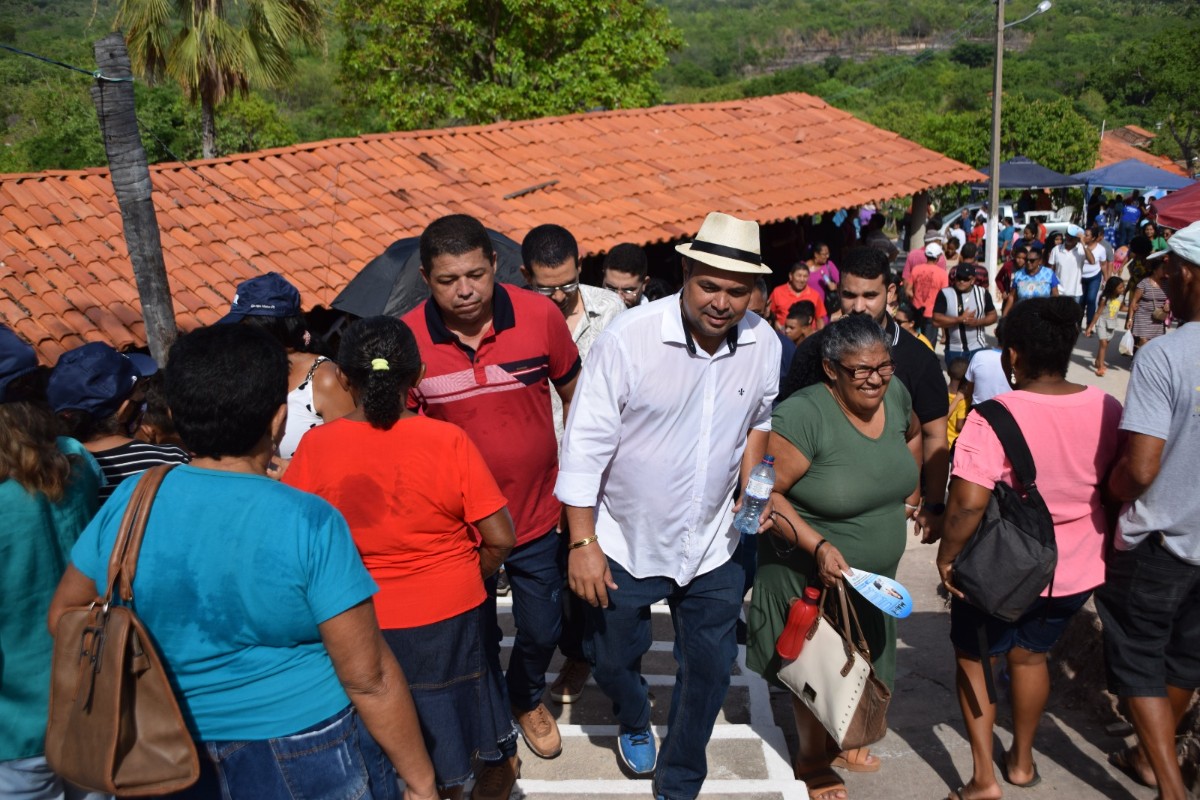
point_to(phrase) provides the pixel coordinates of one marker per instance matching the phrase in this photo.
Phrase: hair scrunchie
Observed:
(379, 365)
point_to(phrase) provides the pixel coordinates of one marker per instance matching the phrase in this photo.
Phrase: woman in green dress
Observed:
(846, 453)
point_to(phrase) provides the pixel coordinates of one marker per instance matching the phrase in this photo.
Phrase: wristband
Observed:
(817, 549)
(581, 543)
(911, 507)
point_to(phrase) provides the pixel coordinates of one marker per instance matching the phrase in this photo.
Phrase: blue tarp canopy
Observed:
(1132, 174)
(1023, 172)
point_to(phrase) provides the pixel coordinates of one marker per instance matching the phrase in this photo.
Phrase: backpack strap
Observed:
(1012, 440)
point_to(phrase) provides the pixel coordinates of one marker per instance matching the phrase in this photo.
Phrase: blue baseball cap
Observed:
(96, 378)
(16, 358)
(269, 295)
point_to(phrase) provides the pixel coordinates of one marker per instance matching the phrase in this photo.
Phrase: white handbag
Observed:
(834, 679)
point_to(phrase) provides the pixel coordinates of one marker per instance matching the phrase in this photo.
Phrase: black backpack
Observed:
(1010, 559)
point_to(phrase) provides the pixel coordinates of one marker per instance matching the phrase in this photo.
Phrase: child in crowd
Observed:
(801, 321)
(1105, 322)
(904, 315)
(959, 403)
(156, 425)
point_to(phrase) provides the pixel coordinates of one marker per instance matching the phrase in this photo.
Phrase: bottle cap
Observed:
(812, 593)
(769, 460)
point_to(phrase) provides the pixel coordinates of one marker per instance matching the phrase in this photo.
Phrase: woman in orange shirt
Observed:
(431, 524)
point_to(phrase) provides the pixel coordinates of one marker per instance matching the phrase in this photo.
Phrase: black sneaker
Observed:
(502, 587)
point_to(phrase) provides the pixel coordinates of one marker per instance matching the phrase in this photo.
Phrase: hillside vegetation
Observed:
(922, 68)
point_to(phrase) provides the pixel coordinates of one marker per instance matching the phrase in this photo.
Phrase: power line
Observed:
(94, 73)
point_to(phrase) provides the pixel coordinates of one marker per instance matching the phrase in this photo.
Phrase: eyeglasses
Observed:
(628, 291)
(549, 291)
(861, 373)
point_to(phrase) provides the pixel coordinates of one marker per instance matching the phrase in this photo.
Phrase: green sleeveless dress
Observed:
(853, 494)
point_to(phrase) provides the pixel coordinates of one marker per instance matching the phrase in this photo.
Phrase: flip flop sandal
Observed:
(862, 765)
(1123, 760)
(821, 781)
(1029, 784)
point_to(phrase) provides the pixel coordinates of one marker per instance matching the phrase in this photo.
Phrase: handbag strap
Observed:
(847, 615)
(122, 564)
(1012, 440)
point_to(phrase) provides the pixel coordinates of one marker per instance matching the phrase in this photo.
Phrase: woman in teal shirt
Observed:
(257, 598)
(846, 452)
(48, 490)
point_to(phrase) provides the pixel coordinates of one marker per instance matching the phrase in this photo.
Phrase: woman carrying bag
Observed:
(256, 598)
(1071, 431)
(845, 461)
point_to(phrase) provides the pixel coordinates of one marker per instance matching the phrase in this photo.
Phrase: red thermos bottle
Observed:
(801, 616)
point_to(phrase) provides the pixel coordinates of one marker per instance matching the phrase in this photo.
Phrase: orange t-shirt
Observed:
(783, 298)
(927, 280)
(409, 495)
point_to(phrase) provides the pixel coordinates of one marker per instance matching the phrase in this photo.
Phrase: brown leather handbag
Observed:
(114, 723)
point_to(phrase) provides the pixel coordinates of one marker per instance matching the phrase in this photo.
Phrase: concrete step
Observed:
(747, 755)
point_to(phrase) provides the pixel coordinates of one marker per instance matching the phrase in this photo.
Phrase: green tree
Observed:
(423, 63)
(1166, 79)
(1053, 134)
(213, 49)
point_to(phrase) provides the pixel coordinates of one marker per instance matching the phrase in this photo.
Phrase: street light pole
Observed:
(992, 248)
(993, 222)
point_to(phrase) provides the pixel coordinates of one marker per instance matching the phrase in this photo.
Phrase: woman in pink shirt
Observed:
(1071, 431)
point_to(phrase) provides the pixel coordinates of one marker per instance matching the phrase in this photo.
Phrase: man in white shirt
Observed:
(1068, 260)
(672, 415)
(550, 265)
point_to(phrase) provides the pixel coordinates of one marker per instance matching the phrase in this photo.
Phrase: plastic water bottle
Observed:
(754, 499)
(800, 619)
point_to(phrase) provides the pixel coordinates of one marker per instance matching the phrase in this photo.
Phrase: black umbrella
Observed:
(391, 283)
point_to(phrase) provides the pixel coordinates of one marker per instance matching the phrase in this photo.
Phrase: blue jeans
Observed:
(703, 614)
(1091, 294)
(32, 779)
(336, 759)
(535, 572)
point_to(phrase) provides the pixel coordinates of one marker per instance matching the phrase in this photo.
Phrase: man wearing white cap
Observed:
(1150, 598)
(1068, 260)
(672, 413)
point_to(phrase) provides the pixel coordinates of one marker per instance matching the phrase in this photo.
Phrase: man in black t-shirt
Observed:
(866, 288)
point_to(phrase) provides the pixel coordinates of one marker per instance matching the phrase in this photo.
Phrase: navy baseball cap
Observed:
(96, 378)
(16, 358)
(267, 295)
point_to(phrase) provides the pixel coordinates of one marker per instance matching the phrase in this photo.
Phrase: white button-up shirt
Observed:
(656, 435)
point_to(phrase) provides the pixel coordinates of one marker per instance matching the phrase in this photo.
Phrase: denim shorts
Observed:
(461, 710)
(1150, 607)
(336, 759)
(1036, 630)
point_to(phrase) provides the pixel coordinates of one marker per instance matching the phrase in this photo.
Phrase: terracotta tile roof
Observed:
(1114, 148)
(319, 212)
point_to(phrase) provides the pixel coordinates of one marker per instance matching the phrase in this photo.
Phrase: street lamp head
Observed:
(1044, 6)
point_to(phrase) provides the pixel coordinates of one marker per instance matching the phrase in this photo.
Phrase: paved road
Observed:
(924, 755)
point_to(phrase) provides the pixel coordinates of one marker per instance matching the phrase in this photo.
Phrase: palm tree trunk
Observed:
(208, 126)
(131, 183)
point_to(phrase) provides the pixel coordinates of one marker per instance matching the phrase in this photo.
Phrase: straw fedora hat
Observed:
(727, 243)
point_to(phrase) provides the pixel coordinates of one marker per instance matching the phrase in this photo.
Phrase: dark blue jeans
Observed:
(336, 759)
(535, 572)
(703, 614)
(1091, 293)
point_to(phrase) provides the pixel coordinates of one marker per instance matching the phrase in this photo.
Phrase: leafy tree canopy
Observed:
(423, 63)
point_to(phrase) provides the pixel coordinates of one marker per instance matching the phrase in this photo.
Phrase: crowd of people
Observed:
(319, 570)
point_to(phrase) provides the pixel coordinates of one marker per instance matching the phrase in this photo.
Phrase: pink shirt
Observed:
(1073, 439)
(915, 259)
